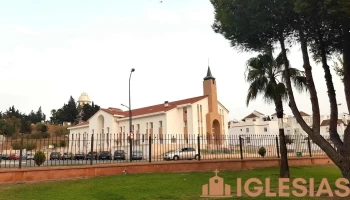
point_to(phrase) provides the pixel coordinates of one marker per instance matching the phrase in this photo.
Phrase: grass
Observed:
(184, 186)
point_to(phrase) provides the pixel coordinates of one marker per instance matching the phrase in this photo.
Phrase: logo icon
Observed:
(216, 188)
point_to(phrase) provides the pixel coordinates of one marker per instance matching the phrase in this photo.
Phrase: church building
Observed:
(201, 115)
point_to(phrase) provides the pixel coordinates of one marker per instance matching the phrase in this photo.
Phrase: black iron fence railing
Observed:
(89, 149)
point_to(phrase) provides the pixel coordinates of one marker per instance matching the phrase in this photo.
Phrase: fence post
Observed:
(92, 147)
(277, 147)
(240, 147)
(20, 153)
(309, 145)
(149, 149)
(199, 148)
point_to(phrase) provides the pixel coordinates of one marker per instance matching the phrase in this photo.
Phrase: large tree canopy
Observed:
(319, 26)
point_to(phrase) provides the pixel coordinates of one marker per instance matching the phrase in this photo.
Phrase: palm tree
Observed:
(266, 77)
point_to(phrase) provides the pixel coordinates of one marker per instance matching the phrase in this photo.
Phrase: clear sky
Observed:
(50, 50)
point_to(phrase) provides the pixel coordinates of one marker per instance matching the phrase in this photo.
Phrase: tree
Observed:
(12, 112)
(89, 110)
(25, 127)
(254, 24)
(266, 77)
(338, 68)
(6, 128)
(39, 158)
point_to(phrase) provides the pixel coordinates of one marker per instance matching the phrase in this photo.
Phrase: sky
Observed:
(50, 50)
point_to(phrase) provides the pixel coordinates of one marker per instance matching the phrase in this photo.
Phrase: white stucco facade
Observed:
(182, 120)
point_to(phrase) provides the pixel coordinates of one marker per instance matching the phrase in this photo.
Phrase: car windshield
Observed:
(119, 151)
(137, 151)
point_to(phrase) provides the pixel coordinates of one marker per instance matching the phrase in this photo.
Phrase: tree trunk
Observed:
(284, 169)
(333, 122)
(314, 133)
(346, 59)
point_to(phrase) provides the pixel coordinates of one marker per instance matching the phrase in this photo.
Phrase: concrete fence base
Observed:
(71, 172)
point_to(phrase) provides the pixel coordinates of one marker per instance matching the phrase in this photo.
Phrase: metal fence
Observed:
(75, 149)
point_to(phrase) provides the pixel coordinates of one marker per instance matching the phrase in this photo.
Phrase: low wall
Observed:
(69, 172)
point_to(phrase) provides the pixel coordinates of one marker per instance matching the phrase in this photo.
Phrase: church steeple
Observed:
(209, 75)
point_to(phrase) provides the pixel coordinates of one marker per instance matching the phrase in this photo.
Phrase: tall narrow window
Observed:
(160, 124)
(151, 124)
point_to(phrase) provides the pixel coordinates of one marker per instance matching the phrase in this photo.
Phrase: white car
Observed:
(187, 153)
(30, 156)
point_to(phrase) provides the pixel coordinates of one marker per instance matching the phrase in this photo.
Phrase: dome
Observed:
(84, 97)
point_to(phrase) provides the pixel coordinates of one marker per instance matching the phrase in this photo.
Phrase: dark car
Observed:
(4, 156)
(119, 155)
(67, 156)
(105, 155)
(79, 156)
(137, 155)
(91, 155)
(55, 156)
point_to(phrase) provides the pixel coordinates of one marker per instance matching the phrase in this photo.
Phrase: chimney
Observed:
(166, 103)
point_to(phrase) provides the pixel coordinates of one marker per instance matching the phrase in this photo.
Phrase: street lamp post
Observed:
(130, 117)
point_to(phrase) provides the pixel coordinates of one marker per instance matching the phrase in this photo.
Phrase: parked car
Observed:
(14, 156)
(4, 156)
(79, 156)
(137, 155)
(55, 156)
(92, 155)
(67, 156)
(188, 153)
(105, 155)
(119, 154)
(30, 156)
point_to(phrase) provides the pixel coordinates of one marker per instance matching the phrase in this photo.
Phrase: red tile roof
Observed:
(161, 107)
(327, 121)
(252, 115)
(81, 124)
(113, 111)
(303, 113)
(149, 109)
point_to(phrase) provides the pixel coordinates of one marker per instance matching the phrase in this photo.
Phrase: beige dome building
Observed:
(84, 99)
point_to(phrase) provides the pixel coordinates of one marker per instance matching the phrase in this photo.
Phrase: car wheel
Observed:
(196, 157)
(176, 157)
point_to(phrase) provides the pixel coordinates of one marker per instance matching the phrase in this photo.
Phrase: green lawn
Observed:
(186, 186)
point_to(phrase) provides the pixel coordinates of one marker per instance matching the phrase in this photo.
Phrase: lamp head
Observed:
(132, 69)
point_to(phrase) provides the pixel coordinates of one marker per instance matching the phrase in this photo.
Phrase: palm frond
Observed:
(256, 87)
(299, 83)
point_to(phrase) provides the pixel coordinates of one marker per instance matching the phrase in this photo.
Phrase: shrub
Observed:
(39, 158)
(288, 140)
(16, 145)
(63, 143)
(30, 146)
(262, 151)
(37, 135)
(42, 127)
(26, 145)
(61, 131)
